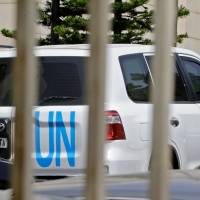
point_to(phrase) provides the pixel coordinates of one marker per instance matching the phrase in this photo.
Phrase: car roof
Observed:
(137, 47)
(85, 48)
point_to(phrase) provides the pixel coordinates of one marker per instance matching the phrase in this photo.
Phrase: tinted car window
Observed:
(61, 81)
(192, 68)
(180, 90)
(136, 76)
(5, 82)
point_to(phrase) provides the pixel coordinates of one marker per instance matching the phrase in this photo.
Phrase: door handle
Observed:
(174, 122)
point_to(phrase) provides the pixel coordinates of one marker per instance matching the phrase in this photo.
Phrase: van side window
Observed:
(5, 82)
(136, 77)
(180, 91)
(61, 80)
(192, 68)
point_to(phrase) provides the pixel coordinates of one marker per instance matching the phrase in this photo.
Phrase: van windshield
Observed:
(61, 81)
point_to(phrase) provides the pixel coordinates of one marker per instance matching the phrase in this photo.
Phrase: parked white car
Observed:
(61, 116)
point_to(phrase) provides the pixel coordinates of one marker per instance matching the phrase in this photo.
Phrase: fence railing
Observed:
(24, 95)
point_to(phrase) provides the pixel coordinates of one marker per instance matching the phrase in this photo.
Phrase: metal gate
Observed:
(25, 92)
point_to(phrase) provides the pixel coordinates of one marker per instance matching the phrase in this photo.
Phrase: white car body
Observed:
(60, 131)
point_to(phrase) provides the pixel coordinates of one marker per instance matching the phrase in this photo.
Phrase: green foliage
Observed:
(181, 37)
(8, 33)
(74, 7)
(71, 26)
(183, 11)
(131, 21)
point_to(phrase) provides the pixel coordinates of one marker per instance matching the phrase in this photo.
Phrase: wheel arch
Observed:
(174, 158)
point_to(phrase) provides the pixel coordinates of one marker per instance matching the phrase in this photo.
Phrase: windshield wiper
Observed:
(57, 98)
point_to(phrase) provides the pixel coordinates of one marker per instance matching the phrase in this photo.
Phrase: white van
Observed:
(61, 115)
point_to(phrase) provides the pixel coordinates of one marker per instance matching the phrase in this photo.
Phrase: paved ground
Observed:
(184, 185)
(5, 195)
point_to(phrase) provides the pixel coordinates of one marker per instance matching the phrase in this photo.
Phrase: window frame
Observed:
(189, 94)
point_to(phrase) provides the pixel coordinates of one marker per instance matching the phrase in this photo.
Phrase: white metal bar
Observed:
(95, 92)
(24, 95)
(162, 95)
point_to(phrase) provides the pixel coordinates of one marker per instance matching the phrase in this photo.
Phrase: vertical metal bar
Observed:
(176, 23)
(95, 92)
(24, 93)
(162, 93)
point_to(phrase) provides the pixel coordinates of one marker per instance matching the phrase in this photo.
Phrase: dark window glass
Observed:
(136, 76)
(192, 67)
(5, 82)
(180, 91)
(62, 77)
(61, 81)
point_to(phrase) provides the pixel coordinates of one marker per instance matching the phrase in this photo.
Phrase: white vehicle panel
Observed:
(60, 139)
(60, 131)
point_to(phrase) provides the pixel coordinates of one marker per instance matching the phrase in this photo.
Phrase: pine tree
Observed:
(70, 24)
(68, 21)
(132, 20)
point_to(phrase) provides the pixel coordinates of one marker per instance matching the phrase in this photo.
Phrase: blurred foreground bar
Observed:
(24, 94)
(162, 96)
(95, 94)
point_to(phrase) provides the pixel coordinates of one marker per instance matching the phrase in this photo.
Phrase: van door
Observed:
(191, 69)
(183, 117)
(135, 109)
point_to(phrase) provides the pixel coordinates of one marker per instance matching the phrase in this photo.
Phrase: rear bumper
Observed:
(120, 159)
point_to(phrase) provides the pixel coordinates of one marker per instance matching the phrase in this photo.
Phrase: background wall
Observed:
(190, 24)
(7, 19)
